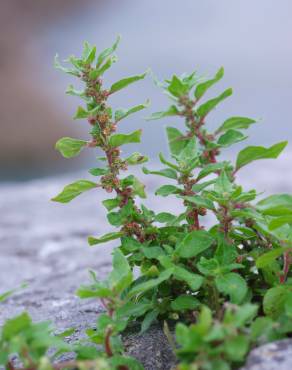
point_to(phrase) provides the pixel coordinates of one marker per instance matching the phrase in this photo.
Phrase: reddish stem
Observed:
(107, 344)
(286, 267)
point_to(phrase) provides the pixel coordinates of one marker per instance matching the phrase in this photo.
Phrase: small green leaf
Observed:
(16, 325)
(177, 88)
(98, 171)
(237, 347)
(172, 111)
(165, 172)
(139, 188)
(236, 123)
(194, 243)
(136, 158)
(105, 238)
(81, 113)
(164, 217)
(166, 190)
(153, 252)
(204, 86)
(123, 113)
(206, 108)
(111, 203)
(267, 258)
(126, 82)
(230, 137)
(276, 205)
(176, 140)
(280, 221)
(149, 318)
(121, 276)
(199, 201)
(254, 153)
(70, 71)
(194, 281)
(69, 147)
(95, 73)
(274, 301)
(96, 290)
(71, 191)
(150, 284)
(107, 52)
(233, 285)
(211, 168)
(121, 139)
(185, 302)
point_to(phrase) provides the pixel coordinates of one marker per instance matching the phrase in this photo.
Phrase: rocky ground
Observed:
(44, 244)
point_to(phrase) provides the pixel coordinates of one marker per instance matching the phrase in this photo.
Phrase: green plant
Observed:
(226, 287)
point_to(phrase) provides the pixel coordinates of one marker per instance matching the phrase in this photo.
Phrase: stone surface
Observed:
(44, 244)
(272, 356)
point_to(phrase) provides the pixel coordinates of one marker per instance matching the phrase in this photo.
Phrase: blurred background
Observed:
(251, 39)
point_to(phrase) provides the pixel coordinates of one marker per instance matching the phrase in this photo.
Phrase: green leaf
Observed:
(204, 86)
(121, 276)
(172, 111)
(176, 140)
(138, 188)
(164, 217)
(81, 113)
(98, 171)
(185, 302)
(125, 82)
(136, 158)
(165, 172)
(166, 190)
(95, 73)
(177, 88)
(71, 191)
(16, 325)
(96, 290)
(280, 221)
(236, 123)
(274, 301)
(230, 137)
(123, 113)
(199, 201)
(150, 284)
(107, 52)
(194, 281)
(121, 139)
(69, 147)
(149, 318)
(194, 243)
(276, 205)
(206, 108)
(111, 203)
(105, 238)
(237, 347)
(70, 71)
(233, 285)
(223, 185)
(153, 252)
(254, 153)
(135, 309)
(267, 258)
(122, 361)
(211, 168)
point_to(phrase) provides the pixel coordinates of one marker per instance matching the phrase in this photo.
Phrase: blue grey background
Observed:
(251, 39)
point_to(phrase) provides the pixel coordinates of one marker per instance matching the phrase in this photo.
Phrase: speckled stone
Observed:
(272, 356)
